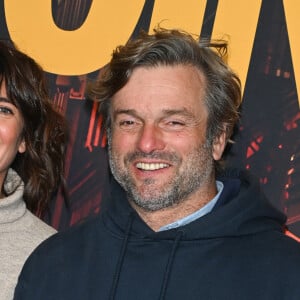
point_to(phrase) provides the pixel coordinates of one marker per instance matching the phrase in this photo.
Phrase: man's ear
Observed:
(22, 146)
(219, 146)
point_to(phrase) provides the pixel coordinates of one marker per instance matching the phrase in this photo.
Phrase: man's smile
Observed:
(151, 166)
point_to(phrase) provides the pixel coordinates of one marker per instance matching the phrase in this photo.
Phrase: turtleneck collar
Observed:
(12, 207)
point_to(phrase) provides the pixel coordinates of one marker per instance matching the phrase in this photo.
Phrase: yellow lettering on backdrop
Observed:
(237, 20)
(292, 8)
(187, 15)
(81, 51)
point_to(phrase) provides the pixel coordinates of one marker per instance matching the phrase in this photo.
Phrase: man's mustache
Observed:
(166, 156)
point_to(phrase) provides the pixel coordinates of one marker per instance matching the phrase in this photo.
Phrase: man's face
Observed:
(157, 142)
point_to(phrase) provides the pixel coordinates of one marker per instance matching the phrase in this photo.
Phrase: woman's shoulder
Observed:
(37, 228)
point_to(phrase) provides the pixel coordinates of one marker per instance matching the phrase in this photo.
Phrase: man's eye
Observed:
(126, 123)
(173, 125)
(176, 123)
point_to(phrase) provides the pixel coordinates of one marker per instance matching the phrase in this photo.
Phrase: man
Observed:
(178, 231)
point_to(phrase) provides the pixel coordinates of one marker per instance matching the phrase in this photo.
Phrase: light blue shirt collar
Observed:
(197, 214)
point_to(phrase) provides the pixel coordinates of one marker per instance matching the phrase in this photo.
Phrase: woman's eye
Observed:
(5, 110)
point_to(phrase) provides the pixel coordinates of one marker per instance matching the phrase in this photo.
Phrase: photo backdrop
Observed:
(73, 40)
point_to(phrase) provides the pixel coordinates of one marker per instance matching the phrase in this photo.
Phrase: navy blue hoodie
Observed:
(237, 251)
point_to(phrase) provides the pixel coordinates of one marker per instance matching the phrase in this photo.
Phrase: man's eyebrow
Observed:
(165, 112)
(182, 111)
(131, 112)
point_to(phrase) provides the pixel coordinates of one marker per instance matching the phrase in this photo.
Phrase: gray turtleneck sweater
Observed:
(20, 233)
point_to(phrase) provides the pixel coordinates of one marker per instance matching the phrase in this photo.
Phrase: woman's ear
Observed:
(22, 146)
(219, 146)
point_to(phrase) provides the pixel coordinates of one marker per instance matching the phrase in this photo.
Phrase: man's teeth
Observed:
(151, 166)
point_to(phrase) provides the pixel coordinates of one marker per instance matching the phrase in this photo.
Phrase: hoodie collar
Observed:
(242, 209)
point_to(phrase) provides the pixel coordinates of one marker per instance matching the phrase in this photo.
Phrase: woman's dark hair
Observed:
(170, 48)
(41, 166)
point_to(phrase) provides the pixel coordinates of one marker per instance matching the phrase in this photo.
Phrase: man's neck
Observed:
(157, 219)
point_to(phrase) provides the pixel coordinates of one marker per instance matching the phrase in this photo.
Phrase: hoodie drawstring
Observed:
(122, 255)
(121, 259)
(169, 265)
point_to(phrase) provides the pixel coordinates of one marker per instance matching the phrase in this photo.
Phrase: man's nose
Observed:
(150, 139)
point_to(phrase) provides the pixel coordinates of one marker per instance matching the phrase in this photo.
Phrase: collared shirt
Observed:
(197, 214)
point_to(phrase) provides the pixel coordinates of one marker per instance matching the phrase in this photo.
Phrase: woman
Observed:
(32, 148)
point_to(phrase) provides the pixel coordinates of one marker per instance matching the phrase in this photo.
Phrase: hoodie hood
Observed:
(237, 251)
(242, 209)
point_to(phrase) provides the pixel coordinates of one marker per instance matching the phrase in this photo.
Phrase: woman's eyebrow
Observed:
(4, 99)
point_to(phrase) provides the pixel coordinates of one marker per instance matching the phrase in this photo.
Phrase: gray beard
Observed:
(197, 172)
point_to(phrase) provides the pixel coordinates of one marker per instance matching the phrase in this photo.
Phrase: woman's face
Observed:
(11, 128)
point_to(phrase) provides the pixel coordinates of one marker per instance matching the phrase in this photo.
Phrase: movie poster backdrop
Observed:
(73, 40)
